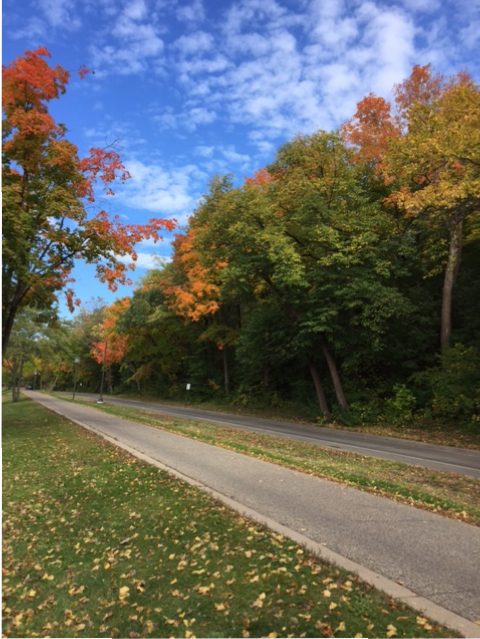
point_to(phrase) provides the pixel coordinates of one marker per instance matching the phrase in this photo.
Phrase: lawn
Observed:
(97, 543)
(450, 494)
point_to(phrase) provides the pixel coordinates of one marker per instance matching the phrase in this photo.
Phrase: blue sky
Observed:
(188, 89)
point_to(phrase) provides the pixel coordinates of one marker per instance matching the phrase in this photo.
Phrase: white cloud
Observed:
(427, 6)
(32, 28)
(263, 73)
(191, 13)
(164, 192)
(196, 65)
(194, 43)
(145, 260)
(388, 36)
(205, 151)
(136, 10)
(138, 42)
(60, 13)
(189, 119)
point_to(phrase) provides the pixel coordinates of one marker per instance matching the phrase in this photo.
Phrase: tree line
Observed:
(341, 279)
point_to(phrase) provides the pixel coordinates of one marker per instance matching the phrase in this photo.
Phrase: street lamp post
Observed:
(100, 399)
(76, 361)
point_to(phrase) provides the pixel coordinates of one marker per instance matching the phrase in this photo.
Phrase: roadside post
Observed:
(76, 361)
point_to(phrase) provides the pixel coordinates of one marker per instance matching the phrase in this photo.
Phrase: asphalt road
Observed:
(434, 556)
(446, 458)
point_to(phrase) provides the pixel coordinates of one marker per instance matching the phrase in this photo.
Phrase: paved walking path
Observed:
(436, 557)
(447, 458)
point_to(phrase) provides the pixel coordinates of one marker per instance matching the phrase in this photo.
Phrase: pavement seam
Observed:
(437, 613)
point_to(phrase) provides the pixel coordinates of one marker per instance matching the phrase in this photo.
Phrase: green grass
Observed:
(97, 543)
(450, 494)
(422, 429)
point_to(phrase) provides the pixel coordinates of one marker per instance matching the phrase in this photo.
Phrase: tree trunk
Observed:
(17, 372)
(14, 380)
(10, 308)
(226, 372)
(322, 400)
(337, 382)
(451, 272)
(7, 328)
(109, 380)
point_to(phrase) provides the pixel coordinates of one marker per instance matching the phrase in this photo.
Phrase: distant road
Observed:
(446, 458)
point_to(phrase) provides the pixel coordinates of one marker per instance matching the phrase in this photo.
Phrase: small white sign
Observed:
(188, 386)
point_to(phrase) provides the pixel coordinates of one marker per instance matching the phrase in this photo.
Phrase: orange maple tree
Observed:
(371, 129)
(47, 188)
(193, 291)
(112, 345)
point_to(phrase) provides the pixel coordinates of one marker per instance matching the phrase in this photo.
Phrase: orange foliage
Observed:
(83, 71)
(34, 143)
(371, 129)
(373, 126)
(112, 347)
(421, 87)
(261, 178)
(199, 294)
(122, 238)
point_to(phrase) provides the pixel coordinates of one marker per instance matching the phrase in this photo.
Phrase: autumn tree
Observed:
(161, 345)
(304, 241)
(47, 189)
(426, 147)
(111, 344)
(193, 283)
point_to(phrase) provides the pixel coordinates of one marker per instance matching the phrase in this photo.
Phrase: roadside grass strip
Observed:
(426, 431)
(97, 543)
(446, 493)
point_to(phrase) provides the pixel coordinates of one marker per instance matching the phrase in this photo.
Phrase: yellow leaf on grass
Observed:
(258, 603)
(391, 630)
(123, 592)
(17, 620)
(327, 593)
(421, 621)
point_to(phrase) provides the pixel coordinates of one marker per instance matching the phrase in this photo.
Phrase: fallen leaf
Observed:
(258, 603)
(123, 592)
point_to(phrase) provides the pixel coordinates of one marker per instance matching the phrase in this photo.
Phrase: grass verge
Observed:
(422, 430)
(450, 494)
(97, 543)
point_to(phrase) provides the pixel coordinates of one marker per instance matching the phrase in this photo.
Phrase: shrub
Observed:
(400, 408)
(454, 384)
